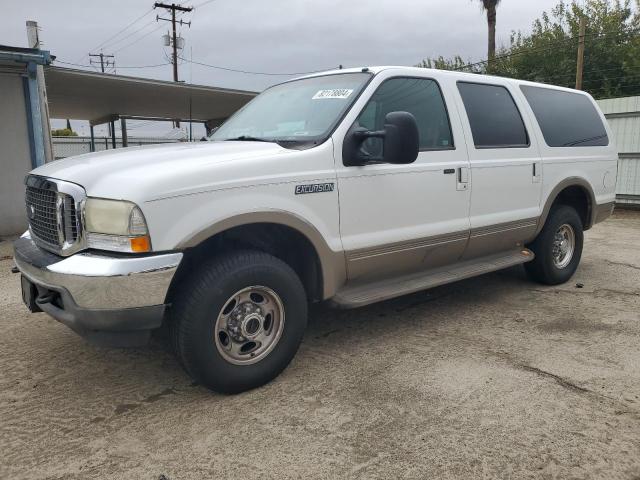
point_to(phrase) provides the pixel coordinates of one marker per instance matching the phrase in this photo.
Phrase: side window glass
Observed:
(420, 97)
(367, 118)
(567, 119)
(493, 116)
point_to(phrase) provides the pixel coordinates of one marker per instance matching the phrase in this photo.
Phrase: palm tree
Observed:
(490, 7)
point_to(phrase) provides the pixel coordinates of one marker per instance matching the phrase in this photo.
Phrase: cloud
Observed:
(271, 35)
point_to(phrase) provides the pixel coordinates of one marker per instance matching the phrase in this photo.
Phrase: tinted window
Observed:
(420, 97)
(566, 119)
(493, 115)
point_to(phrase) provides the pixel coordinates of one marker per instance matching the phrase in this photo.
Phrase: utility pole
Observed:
(173, 8)
(580, 61)
(34, 41)
(110, 60)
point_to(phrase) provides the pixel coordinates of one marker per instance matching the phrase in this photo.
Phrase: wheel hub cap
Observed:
(249, 325)
(252, 325)
(563, 246)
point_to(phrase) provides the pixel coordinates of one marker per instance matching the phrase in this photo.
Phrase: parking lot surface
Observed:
(493, 377)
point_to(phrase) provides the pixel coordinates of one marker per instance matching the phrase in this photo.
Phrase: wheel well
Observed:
(281, 241)
(577, 197)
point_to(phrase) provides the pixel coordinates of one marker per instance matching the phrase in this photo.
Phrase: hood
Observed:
(156, 171)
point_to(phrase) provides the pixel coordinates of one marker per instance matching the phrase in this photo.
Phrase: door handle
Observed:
(463, 178)
(449, 171)
(463, 175)
(536, 172)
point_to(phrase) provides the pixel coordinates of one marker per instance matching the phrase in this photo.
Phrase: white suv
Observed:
(352, 186)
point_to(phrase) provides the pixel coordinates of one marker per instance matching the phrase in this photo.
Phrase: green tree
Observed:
(548, 54)
(63, 132)
(441, 63)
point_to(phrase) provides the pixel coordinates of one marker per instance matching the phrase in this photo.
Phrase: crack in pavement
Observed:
(620, 406)
(622, 264)
(561, 381)
(127, 407)
(579, 292)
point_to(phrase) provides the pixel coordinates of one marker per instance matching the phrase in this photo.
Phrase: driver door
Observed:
(397, 219)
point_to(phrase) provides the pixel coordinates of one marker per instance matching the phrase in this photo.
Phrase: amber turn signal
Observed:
(140, 244)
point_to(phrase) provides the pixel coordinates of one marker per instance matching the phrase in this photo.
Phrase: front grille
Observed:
(52, 216)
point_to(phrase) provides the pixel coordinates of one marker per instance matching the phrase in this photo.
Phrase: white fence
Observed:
(623, 115)
(69, 146)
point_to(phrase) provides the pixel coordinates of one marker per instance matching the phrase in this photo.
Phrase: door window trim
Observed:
(495, 147)
(444, 101)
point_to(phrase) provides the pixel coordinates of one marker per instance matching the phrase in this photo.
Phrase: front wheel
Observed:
(239, 321)
(558, 247)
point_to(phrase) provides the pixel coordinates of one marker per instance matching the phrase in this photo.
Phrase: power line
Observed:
(203, 4)
(525, 51)
(143, 36)
(120, 31)
(139, 38)
(126, 66)
(131, 34)
(247, 71)
(125, 28)
(592, 71)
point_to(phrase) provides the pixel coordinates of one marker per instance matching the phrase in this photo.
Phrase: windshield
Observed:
(302, 111)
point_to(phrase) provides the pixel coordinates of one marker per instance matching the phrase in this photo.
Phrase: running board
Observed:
(352, 296)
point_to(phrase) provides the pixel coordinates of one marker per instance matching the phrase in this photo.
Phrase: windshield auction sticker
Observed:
(333, 93)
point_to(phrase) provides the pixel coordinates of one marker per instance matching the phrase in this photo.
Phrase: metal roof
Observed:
(93, 96)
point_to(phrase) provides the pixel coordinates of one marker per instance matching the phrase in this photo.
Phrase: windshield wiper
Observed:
(248, 138)
(286, 143)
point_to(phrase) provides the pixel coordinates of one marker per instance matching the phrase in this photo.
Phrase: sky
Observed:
(268, 36)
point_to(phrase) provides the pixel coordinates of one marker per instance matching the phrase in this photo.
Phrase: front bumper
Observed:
(109, 299)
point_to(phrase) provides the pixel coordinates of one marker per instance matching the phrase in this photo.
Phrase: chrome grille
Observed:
(41, 211)
(52, 210)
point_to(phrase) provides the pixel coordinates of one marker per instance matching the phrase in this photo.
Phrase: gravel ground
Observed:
(493, 377)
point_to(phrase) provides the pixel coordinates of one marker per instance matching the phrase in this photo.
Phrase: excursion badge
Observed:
(314, 188)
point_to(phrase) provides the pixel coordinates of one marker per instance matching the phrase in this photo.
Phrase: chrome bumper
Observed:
(99, 281)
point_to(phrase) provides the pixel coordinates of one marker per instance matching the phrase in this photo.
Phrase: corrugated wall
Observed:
(623, 115)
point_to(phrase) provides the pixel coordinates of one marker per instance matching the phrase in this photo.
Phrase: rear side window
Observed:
(493, 115)
(566, 119)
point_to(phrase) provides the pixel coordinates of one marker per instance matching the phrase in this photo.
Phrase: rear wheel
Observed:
(239, 321)
(558, 247)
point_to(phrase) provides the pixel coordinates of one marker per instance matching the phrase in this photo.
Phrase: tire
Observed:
(546, 268)
(220, 297)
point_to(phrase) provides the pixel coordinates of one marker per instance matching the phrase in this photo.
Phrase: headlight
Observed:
(115, 225)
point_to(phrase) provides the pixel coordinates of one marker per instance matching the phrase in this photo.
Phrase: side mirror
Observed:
(400, 139)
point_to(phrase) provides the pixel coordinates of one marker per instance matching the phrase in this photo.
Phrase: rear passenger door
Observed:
(506, 171)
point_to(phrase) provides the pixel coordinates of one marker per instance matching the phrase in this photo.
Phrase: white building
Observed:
(623, 114)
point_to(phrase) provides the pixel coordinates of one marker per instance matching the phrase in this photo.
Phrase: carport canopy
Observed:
(100, 98)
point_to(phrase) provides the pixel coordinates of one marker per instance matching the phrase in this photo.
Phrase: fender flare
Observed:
(332, 264)
(553, 195)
